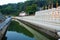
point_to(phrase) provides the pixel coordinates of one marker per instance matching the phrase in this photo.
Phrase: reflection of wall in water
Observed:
(4, 38)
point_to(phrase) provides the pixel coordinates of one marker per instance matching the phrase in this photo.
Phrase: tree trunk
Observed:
(49, 6)
(56, 3)
(52, 5)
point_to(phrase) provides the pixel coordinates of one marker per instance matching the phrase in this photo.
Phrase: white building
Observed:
(22, 14)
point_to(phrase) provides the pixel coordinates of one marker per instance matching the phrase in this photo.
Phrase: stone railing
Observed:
(6, 22)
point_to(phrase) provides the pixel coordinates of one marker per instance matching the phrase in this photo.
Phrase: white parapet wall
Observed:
(49, 15)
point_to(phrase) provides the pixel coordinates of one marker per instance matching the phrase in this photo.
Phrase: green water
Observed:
(18, 32)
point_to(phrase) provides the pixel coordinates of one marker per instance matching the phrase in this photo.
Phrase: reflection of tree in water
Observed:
(14, 26)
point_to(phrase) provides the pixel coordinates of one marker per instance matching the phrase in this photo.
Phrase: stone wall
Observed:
(49, 15)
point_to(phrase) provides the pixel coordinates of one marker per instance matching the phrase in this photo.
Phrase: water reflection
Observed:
(11, 35)
(15, 26)
(17, 32)
(4, 38)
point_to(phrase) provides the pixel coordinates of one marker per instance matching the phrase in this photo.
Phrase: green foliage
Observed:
(20, 7)
(28, 6)
(31, 9)
(8, 9)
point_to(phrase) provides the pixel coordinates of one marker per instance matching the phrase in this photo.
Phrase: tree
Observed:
(29, 6)
(56, 3)
(20, 6)
(31, 9)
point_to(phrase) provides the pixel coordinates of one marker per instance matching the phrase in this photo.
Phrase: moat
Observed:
(18, 32)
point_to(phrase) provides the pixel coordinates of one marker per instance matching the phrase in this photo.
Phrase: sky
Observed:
(2, 2)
